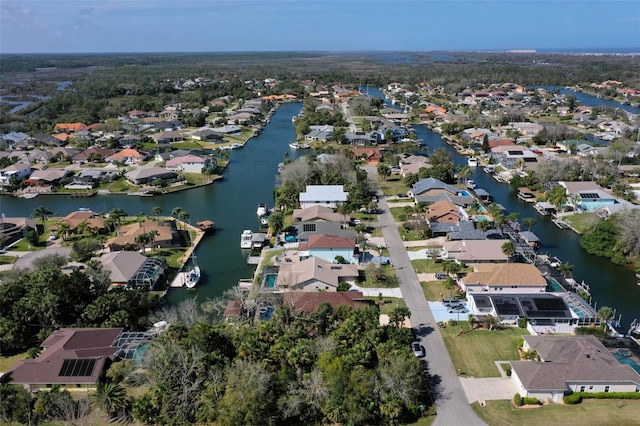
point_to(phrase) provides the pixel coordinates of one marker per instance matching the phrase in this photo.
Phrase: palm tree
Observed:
(509, 249)
(605, 313)
(117, 214)
(566, 269)
(110, 398)
(143, 240)
(64, 229)
(484, 226)
(156, 211)
(43, 213)
(276, 222)
(464, 172)
(176, 213)
(528, 222)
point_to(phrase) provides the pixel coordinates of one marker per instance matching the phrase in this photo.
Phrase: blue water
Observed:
(553, 285)
(482, 217)
(625, 358)
(465, 193)
(270, 281)
(591, 100)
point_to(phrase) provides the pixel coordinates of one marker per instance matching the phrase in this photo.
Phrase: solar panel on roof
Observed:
(77, 367)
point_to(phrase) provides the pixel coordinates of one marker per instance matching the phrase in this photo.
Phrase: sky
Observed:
(101, 26)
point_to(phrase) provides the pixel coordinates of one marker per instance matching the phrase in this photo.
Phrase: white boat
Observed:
(472, 162)
(192, 277)
(236, 146)
(262, 210)
(245, 239)
(489, 169)
(471, 184)
(296, 145)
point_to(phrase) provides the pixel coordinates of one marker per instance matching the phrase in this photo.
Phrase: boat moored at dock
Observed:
(246, 239)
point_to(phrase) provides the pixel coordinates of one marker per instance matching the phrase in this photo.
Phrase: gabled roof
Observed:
(322, 241)
(148, 173)
(127, 153)
(324, 193)
(476, 251)
(430, 184)
(314, 269)
(439, 209)
(318, 212)
(571, 359)
(122, 264)
(185, 159)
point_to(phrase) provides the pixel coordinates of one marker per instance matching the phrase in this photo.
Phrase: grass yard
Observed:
(434, 289)
(7, 361)
(589, 412)
(389, 303)
(475, 351)
(8, 260)
(426, 266)
(582, 222)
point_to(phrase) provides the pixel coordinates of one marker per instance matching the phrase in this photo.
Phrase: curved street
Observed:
(451, 401)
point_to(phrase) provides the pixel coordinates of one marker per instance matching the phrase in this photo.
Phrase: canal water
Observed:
(231, 204)
(611, 285)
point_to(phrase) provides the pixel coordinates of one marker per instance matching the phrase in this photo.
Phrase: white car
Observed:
(418, 349)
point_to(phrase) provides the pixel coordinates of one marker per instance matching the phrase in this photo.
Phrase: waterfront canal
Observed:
(231, 203)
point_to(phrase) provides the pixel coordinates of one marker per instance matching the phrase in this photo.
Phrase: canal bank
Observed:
(231, 203)
(611, 285)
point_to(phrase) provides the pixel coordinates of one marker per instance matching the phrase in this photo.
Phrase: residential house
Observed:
(459, 200)
(167, 137)
(128, 156)
(314, 274)
(322, 133)
(69, 127)
(443, 212)
(13, 137)
(206, 134)
(432, 186)
(93, 154)
(371, 156)
(413, 163)
(503, 277)
(363, 138)
(146, 175)
(165, 235)
(13, 228)
(323, 195)
(474, 251)
(48, 176)
(131, 269)
(76, 218)
(588, 196)
(318, 213)
(72, 358)
(128, 140)
(570, 364)
(188, 164)
(14, 172)
(90, 178)
(508, 156)
(230, 129)
(328, 247)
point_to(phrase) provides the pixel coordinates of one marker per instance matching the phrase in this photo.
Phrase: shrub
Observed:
(520, 342)
(531, 401)
(522, 322)
(610, 395)
(574, 398)
(517, 400)
(508, 371)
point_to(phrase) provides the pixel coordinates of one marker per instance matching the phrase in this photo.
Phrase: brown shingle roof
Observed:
(506, 274)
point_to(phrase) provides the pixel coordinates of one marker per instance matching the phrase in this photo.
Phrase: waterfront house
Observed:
(508, 156)
(133, 270)
(84, 217)
(318, 213)
(328, 247)
(432, 186)
(463, 201)
(165, 235)
(314, 274)
(322, 133)
(323, 195)
(188, 163)
(443, 212)
(47, 176)
(93, 154)
(568, 364)
(206, 134)
(474, 251)
(13, 228)
(307, 228)
(410, 163)
(363, 138)
(504, 277)
(146, 175)
(14, 172)
(72, 358)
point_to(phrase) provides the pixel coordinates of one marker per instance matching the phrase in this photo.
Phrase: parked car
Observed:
(450, 300)
(459, 310)
(402, 195)
(418, 349)
(441, 275)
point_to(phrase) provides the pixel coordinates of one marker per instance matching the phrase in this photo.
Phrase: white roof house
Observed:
(323, 195)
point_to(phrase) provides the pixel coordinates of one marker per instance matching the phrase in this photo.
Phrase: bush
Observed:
(531, 401)
(508, 371)
(610, 395)
(574, 398)
(517, 400)
(520, 342)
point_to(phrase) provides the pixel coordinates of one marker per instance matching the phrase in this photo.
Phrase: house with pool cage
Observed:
(131, 269)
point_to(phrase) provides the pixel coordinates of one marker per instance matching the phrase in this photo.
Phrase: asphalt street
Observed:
(451, 401)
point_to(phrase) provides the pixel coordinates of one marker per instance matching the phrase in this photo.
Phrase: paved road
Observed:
(452, 405)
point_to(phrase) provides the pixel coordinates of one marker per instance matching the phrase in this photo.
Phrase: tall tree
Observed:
(508, 249)
(156, 211)
(43, 213)
(276, 222)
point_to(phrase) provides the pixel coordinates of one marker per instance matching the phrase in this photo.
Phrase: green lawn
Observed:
(582, 222)
(474, 352)
(426, 266)
(389, 303)
(8, 260)
(589, 412)
(433, 290)
(7, 361)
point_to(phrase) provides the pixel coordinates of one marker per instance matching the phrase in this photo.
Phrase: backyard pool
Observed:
(624, 357)
(553, 285)
(482, 217)
(270, 281)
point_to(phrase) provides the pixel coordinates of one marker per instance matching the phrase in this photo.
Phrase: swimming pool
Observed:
(482, 217)
(270, 280)
(553, 285)
(624, 357)
(465, 193)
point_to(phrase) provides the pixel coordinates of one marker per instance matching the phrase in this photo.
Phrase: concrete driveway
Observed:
(486, 389)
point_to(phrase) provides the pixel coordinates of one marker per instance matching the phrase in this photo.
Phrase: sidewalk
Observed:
(376, 291)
